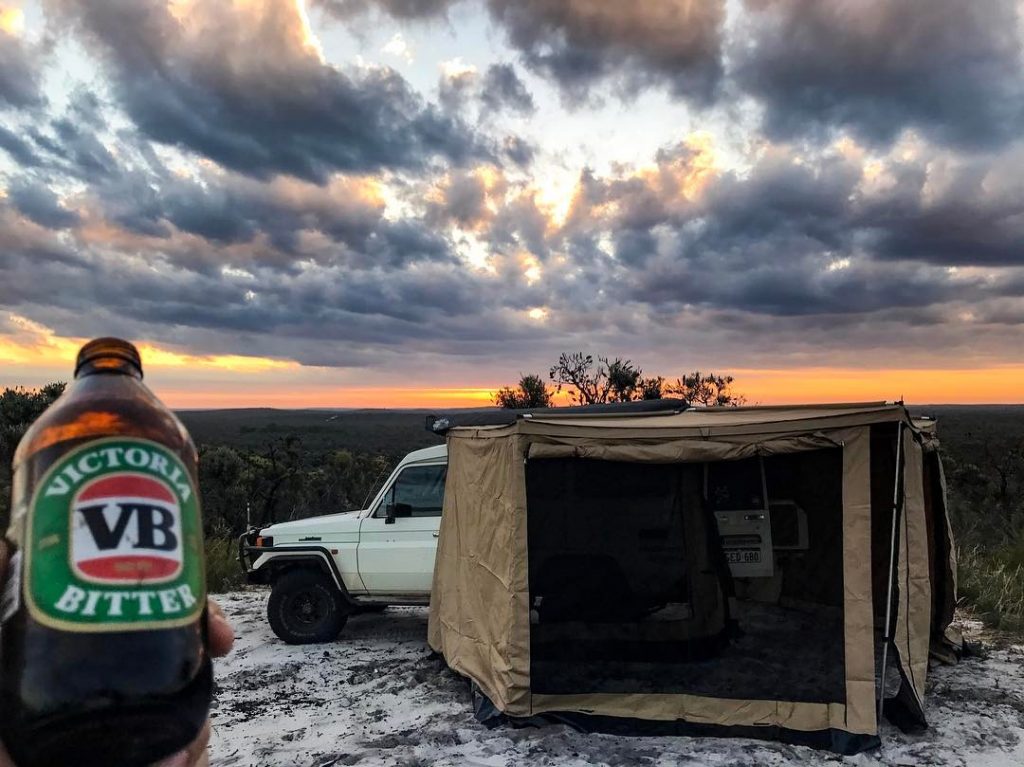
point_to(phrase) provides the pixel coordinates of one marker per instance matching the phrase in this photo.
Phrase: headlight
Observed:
(264, 540)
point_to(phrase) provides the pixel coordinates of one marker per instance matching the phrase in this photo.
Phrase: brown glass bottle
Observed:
(103, 645)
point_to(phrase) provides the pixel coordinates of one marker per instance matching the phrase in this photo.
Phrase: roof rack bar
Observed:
(440, 424)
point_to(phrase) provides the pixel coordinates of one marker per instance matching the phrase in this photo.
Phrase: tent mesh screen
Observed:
(631, 590)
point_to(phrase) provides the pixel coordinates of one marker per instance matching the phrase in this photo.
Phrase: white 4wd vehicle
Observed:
(326, 568)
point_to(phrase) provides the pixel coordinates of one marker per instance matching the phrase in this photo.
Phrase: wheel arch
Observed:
(276, 563)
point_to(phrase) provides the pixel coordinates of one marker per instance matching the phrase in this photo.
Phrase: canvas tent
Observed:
(722, 570)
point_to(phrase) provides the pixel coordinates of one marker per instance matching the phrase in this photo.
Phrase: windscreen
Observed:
(632, 591)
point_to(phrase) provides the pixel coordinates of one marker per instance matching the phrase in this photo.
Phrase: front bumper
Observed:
(248, 552)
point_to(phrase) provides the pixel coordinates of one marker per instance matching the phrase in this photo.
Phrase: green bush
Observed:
(222, 570)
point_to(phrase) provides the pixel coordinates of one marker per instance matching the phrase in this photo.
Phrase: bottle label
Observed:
(113, 541)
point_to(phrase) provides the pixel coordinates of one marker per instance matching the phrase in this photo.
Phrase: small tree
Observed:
(708, 390)
(616, 380)
(625, 381)
(18, 409)
(577, 371)
(530, 393)
(652, 388)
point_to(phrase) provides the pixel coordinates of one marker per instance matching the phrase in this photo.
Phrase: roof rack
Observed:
(495, 416)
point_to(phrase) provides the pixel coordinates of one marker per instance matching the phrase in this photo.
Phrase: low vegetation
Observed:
(983, 454)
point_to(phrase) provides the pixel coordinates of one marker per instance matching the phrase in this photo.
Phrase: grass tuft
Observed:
(222, 570)
(991, 583)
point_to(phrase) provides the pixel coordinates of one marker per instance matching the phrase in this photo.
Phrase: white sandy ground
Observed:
(376, 696)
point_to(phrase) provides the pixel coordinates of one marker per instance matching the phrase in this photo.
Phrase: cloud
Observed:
(950, 210)
(19, 70)
(461, 200)
(38, 203)
(251, 196)
(399, 9)
(17, 148)
(245, 85)
(502, 89)
(830, 234)
(499, 89)
(397, 46)
(457, 84)
(951, 69)
(518, 151)
(577, 43)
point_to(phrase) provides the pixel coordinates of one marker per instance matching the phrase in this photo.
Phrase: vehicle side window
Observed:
(422, 487)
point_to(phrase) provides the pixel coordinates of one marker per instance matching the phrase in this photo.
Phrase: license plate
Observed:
(743, 557)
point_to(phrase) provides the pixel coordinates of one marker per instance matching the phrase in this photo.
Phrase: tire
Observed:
(305, 607)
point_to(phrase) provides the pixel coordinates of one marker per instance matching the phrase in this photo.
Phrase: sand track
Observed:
(377, 696)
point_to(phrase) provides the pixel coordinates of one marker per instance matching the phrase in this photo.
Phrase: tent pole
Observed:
(892, 569)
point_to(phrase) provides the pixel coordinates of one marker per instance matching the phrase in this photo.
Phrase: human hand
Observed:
(221, 637)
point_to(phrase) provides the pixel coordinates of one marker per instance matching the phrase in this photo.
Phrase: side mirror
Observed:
(396, 510)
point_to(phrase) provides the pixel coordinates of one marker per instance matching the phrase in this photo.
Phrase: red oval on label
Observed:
(127, 486)
(129, 568)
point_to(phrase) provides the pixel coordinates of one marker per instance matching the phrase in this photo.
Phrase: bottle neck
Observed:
(110, 366)
(108, 355)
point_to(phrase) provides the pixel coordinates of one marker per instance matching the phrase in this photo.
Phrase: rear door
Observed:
(398, 558)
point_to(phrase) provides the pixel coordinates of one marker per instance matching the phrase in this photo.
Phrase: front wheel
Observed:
(306, 607)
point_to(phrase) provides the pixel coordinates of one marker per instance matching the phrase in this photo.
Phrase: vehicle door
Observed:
(396, 552)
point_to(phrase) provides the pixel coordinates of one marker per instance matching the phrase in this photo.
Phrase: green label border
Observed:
(47, 547)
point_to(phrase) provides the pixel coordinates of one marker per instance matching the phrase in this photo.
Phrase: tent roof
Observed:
(705, 422)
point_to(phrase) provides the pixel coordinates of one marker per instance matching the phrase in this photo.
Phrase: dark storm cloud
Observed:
(951, 211)
(38, 203)
(502, 89)
(66, 144)
(788, 277)
(951, 69)
(19, 149)
(400, 9)
(518, 151)
(521, 223)
(783, 197)
(250, 93)
(580, 42)
(462, 201)
(787, 245)
(19, 73)
(324, 315)
(280, 222)
(22, 242)
(802, 235)
(333, 268)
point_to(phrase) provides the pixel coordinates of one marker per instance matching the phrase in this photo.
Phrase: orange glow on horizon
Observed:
(1002, 385)
(990, 385)
(334, 397)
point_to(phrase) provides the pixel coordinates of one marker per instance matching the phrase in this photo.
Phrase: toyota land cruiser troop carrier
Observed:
(324, 569)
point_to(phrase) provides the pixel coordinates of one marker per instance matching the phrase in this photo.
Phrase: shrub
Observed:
(222, 570)
(991, 583)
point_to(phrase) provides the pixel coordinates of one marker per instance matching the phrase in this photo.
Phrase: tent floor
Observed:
(779, 653)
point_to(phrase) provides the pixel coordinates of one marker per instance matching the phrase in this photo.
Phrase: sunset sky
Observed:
(411, 202)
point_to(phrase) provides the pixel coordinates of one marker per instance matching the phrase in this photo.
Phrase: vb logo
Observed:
(126, 528)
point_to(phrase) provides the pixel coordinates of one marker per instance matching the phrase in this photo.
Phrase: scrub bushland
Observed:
(983, 457)
(263, 466)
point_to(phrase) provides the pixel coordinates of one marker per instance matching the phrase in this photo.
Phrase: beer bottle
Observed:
(103, 657)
